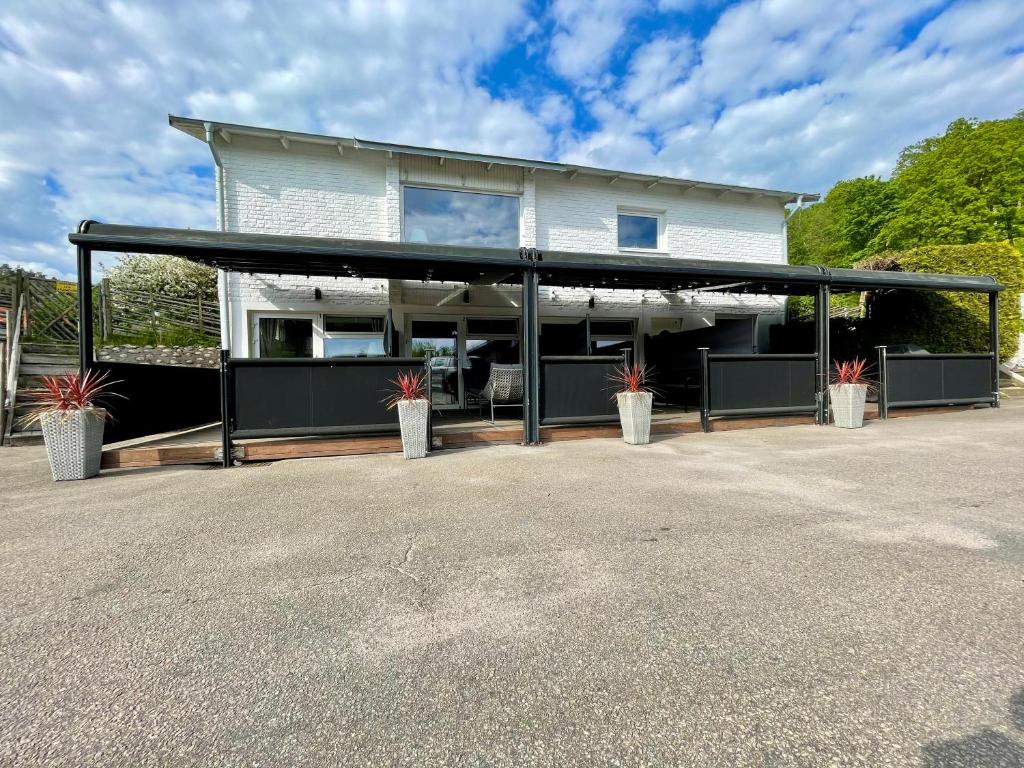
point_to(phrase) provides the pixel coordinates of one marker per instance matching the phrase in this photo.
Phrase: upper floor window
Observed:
(460, 218)
(639, 230)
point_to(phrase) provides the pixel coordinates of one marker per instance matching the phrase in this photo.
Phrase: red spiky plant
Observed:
(407, 386)
(854, 371)
(631, 378)
(68, 392)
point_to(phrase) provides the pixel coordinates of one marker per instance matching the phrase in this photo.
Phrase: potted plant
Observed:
(72, 422)
(848, 393)
(634, 399)
(409, 397)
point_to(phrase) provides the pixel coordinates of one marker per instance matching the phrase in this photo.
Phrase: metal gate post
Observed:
(226, 409)
(427, 374)
(531, 356)
(86, 357)
(993, 343)
(883, 383)
(821, 324)
(705, 389)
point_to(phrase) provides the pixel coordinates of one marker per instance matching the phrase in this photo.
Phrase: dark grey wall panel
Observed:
(315, 396)
(761, 383)
(578, 389)
(938, 379)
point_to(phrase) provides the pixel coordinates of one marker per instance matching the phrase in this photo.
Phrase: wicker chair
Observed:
(504, 388)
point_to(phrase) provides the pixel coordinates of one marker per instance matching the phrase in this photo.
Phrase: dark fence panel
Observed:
(281, 398)
(159, 398)
(913, 380)
(578, 390)
(748, 385)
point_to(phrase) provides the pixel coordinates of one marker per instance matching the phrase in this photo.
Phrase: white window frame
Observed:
(468, 190)
(254, 328)
(325, 335)
(657, 215)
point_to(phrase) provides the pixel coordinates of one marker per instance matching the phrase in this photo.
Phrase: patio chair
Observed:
(504, 388)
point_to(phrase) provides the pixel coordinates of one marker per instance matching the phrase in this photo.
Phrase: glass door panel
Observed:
(438, 340)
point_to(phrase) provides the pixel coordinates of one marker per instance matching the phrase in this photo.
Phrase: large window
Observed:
(285, 337)
(348, 336)
(460, 218)
(639, 231)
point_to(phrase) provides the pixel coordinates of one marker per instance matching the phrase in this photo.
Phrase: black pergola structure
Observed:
(269, 398)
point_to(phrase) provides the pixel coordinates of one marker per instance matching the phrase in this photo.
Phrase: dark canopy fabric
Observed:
(326, 256)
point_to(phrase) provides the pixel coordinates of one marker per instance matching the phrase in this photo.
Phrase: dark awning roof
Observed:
(328, 256)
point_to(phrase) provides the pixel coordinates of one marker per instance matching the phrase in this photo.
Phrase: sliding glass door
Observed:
(438, 340)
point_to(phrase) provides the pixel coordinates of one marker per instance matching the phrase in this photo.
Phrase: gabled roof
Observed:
(224, 131)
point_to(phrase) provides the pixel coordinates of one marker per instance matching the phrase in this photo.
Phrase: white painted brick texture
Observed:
(310, 190)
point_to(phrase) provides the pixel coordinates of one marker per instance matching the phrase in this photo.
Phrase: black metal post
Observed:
(86, 356)
(883, 383)
(226, 400)
(427, 374)
(821, 325)
(993, 343)
(531, 357)
(705, 390)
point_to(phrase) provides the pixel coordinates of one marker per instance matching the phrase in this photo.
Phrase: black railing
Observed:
(578, 390)
(757, 385)
(919, 380)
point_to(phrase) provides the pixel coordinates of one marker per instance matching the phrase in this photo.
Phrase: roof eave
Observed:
(196, 128)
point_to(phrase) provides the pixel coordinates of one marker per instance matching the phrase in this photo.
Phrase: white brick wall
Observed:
(313, 190)
(581, 215)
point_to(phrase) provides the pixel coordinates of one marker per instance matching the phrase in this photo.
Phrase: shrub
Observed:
(951, 321)
(163, 276)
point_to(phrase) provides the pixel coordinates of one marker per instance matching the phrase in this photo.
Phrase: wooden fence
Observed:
(51, 311)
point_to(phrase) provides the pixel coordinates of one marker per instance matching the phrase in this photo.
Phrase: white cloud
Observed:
(780, 93)
(586, 33)
(789, 94)
(85, 90)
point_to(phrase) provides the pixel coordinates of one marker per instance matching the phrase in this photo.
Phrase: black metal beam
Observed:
(993, 343)
(531, 357)
(301, 255)
(86, 355)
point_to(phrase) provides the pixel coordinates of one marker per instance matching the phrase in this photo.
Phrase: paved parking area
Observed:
(795, 596)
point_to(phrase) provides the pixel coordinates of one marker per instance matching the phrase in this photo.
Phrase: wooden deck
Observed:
(202, 445)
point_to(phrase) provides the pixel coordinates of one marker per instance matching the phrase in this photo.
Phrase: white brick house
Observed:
(286, 183)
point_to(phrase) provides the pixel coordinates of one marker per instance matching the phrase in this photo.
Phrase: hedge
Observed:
(949, 321)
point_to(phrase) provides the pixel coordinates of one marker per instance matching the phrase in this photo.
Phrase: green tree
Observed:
(837, 231)
(966, 186)
(861, 208)
(812, 236)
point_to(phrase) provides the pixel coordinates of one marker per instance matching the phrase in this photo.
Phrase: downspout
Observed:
(222, 280)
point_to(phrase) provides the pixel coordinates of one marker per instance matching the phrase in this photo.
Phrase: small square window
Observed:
(638, 231)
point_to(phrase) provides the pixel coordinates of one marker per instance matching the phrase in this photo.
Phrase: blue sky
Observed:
(791, 94)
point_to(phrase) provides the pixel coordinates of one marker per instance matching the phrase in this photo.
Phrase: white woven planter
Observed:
(848, 404)
(412, 418)
(635, 416)
(74, 442)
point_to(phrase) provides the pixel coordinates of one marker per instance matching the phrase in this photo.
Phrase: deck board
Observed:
(466, 434)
